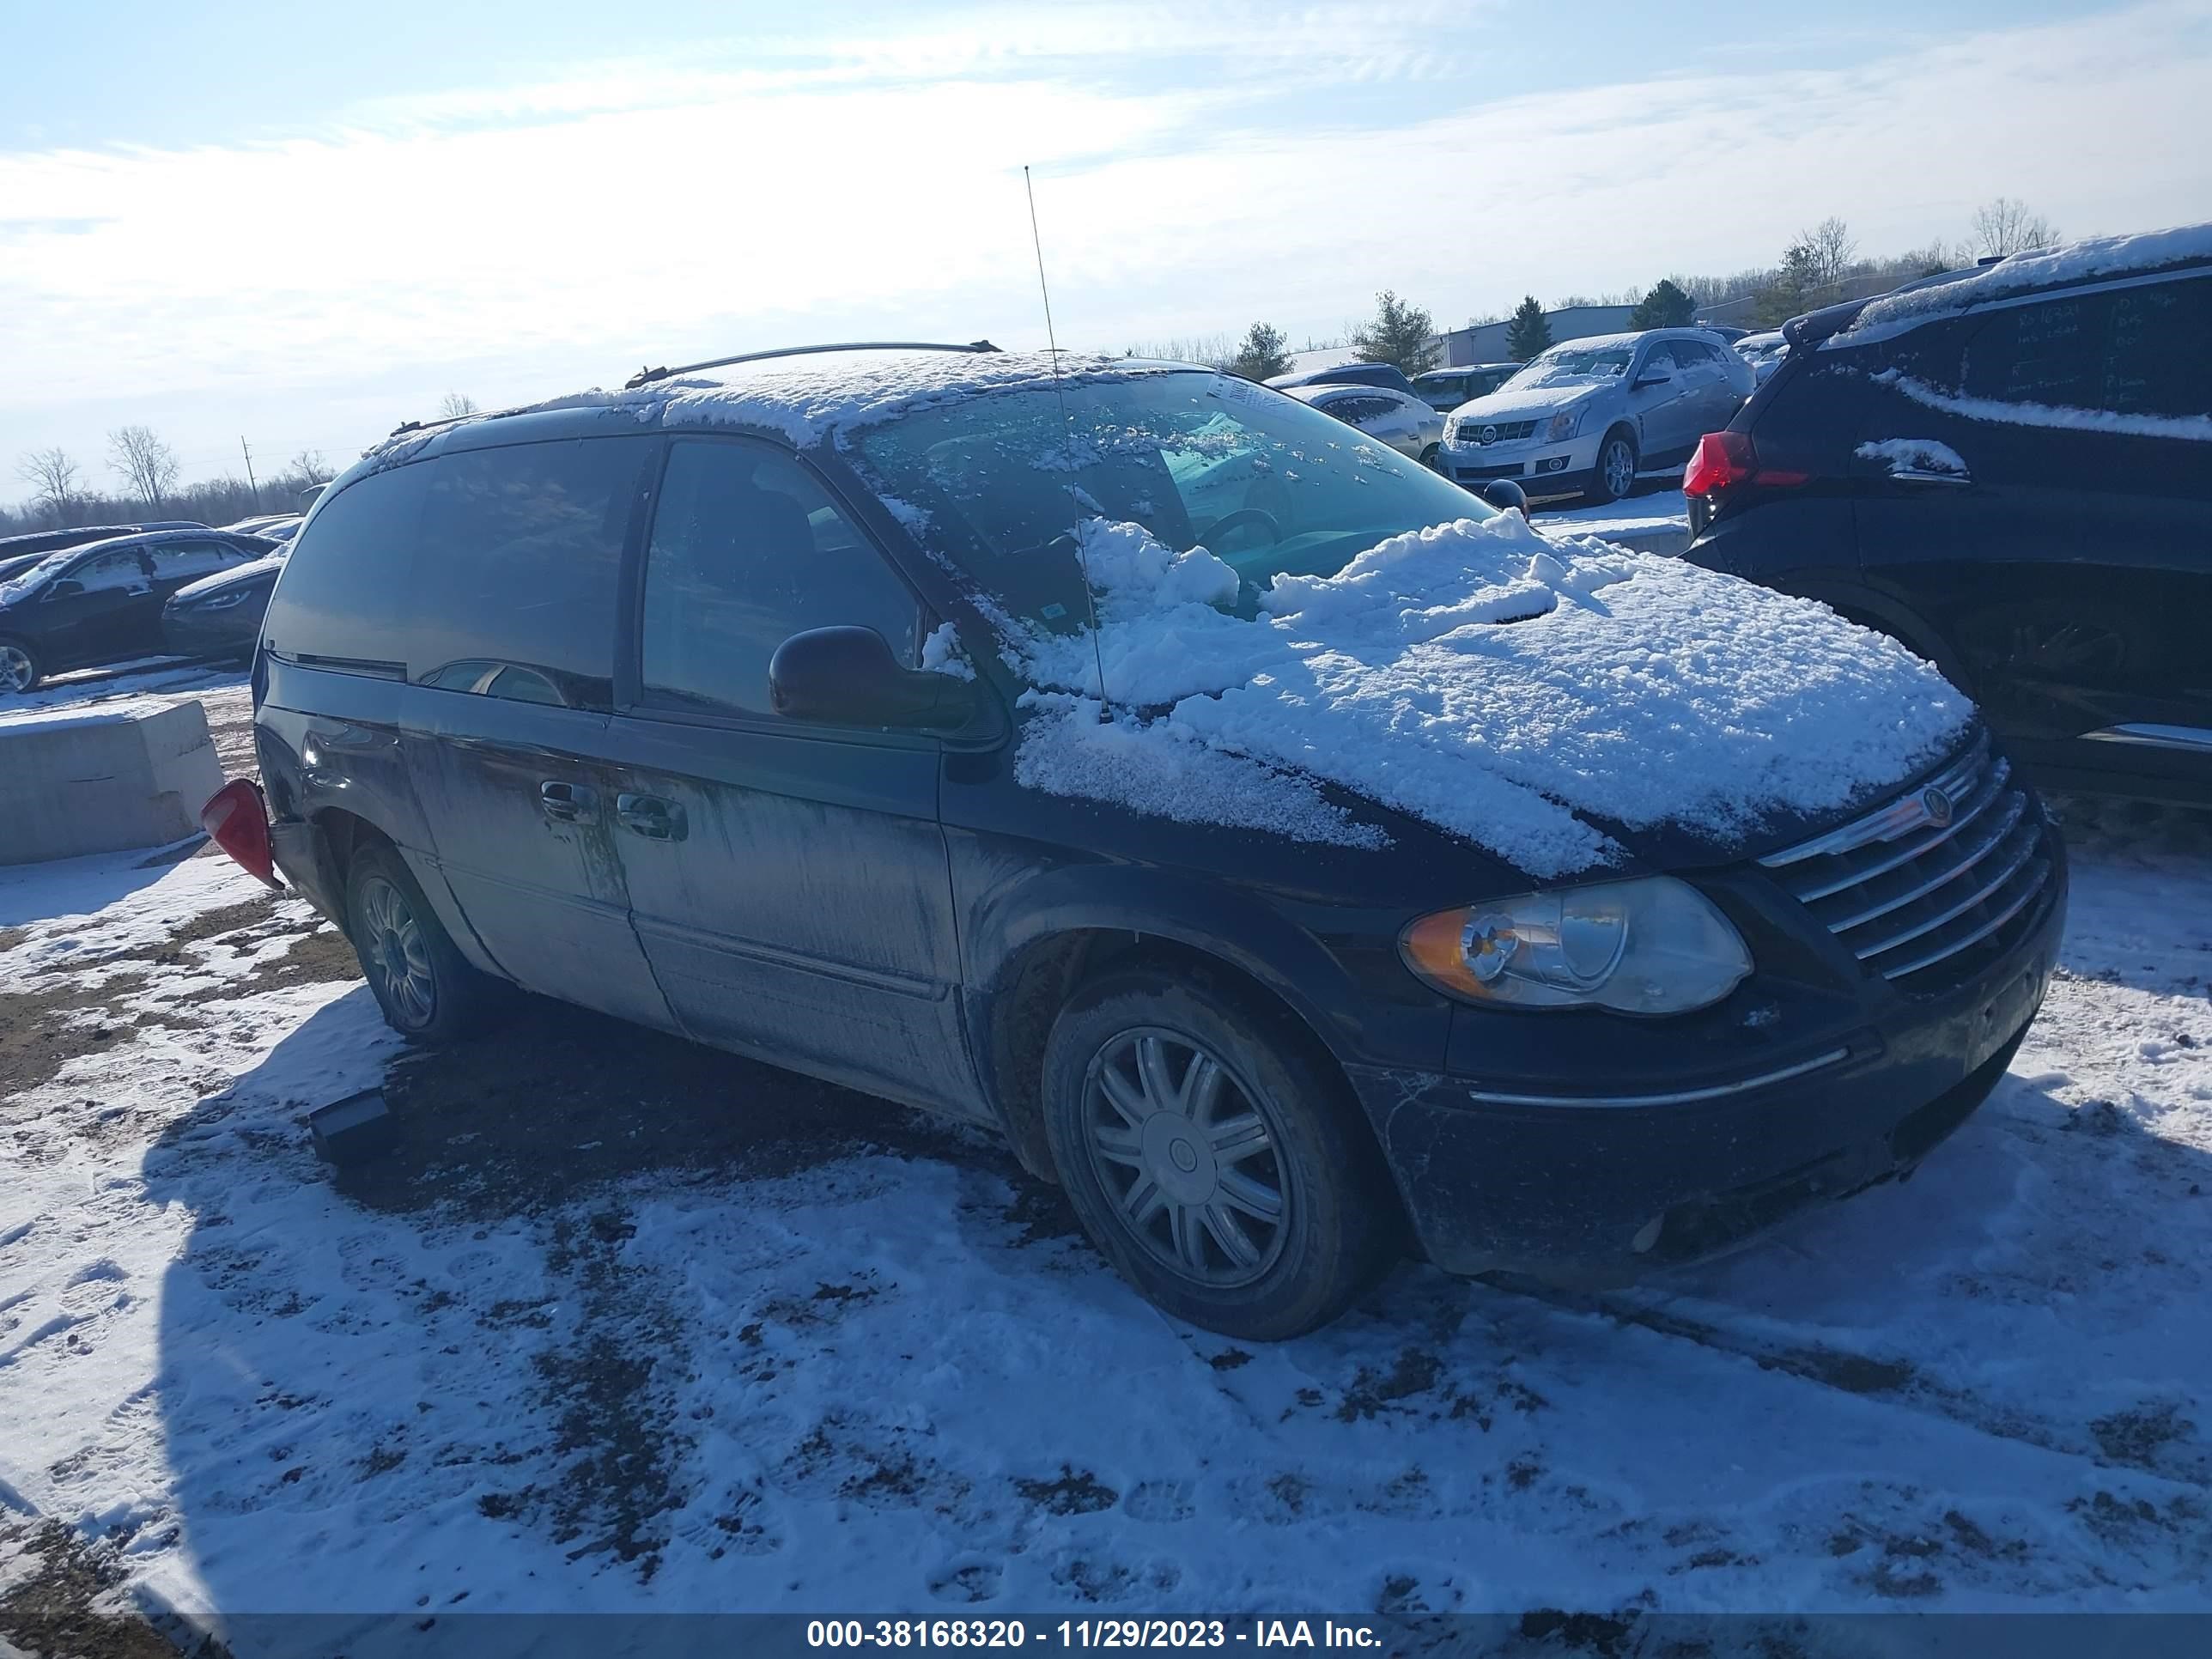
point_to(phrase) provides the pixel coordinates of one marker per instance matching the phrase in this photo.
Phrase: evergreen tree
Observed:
(1265, 352)
(1529, 333)
(1665, 307)
(1399, 334)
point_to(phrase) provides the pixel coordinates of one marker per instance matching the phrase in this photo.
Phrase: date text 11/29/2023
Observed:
(1090, 1633)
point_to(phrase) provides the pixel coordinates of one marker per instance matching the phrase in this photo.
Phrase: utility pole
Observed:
(250, 484)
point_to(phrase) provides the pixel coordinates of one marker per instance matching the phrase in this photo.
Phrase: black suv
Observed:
(2009, 469)
(86, 606)
(736, 704)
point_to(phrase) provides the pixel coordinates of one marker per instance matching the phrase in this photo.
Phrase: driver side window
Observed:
(120, 572)
(748, 550)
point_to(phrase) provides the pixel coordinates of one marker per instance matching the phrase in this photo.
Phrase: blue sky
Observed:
(305, 224)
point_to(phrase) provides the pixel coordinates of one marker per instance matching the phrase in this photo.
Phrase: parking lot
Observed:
(623, 1324)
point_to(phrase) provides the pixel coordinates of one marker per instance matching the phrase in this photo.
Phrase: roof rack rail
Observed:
(647, 376)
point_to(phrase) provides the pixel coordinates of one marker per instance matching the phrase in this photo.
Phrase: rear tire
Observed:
(20, 668)
(426, 990)
(1615, 475)
(1214, 1157)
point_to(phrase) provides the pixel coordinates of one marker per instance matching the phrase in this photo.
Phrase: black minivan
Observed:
(1292, 857)
(2009, 469)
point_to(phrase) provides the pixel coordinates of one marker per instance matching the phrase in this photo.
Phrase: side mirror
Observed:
(1653, 375)
(68, 588)
(1506, 496)
(848, 676)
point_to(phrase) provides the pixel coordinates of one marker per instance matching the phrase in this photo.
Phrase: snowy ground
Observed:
(625, 1324)
(1657, 523)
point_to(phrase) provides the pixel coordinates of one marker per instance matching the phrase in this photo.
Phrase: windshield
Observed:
(1563, 364)
(17, 587)
(997, 484)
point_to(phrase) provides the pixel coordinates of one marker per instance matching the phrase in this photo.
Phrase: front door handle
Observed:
(651, 816)
(568, 802)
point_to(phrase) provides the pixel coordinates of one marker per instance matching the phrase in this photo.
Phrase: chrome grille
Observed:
(1918, 884)
(1491, 432)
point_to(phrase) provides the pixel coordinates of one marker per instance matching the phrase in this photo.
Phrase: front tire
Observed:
(426, 990)
(1616, 466)
(1214, 1158)
(20, 668)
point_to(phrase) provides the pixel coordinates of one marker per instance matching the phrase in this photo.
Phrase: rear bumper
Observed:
(1572, 1191)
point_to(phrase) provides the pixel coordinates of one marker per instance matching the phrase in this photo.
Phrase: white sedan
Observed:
(1408, 424)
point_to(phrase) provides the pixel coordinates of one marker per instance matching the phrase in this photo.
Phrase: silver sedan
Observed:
(1408, 424)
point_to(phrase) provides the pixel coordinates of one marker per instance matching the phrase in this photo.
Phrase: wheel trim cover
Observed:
(1194, 1178)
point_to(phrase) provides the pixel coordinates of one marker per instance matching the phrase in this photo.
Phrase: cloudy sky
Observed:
(304, 224)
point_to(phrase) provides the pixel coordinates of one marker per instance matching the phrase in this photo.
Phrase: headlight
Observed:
(220, 602)
(1563, 426)
(1650, 947)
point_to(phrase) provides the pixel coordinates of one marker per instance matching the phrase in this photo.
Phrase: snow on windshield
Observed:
(1499, 686)
(1573, 366)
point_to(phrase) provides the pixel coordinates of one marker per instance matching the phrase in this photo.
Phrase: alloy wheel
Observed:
(1619, 467)
(392, 948)
(17, 670)
(1187, 1156)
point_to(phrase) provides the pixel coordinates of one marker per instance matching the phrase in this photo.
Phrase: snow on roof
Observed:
(1596, 342)
(1508, 688)
(808, 397)
(2076, 261)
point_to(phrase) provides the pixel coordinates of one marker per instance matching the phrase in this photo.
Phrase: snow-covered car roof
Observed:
(807, 398)
(2098, 258)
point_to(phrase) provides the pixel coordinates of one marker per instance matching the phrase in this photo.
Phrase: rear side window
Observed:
(748, 550)
(519, 565)
(184, 561)
(347, 592)
(2045, 353)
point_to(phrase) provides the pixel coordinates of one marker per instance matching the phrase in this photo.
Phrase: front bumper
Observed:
(228, 633)
(1542, 469)
(1564, 1188)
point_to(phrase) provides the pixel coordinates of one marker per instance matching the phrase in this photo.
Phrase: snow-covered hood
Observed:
(1532, 403)
(1510, 689)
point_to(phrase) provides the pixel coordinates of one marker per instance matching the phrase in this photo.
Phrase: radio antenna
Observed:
(1068, 439)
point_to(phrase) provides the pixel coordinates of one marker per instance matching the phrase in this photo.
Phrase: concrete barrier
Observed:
(133, 773)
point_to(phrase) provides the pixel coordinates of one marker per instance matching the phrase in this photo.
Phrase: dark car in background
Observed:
(1387, 376)
(1446, 389)
(219, 617)
(19, 553)
(746, 718)
(82, 607)
(2008, 469)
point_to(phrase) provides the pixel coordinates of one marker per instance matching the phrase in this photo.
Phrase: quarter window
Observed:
(748, 550)
(2158, 351)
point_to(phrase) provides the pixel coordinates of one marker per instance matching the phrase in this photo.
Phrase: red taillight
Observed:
(237, 821)
(1725, 460)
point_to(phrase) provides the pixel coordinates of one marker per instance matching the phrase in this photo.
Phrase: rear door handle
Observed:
(568, 802)
(1914, 475)
(651, 816)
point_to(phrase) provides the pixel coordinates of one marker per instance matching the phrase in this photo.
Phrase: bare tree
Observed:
(138, 455)
(1833, 246)
(455, 404)
(304, 471)
(53, 476)
(2009, 225)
